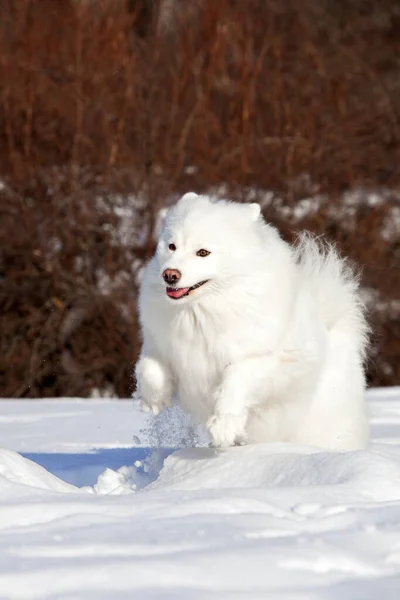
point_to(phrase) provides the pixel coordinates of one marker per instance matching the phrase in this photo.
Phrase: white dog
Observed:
(261, 341)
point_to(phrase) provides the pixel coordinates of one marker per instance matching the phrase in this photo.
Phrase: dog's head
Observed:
(203, 244)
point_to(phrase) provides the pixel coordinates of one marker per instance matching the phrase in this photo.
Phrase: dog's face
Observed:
(202, 245)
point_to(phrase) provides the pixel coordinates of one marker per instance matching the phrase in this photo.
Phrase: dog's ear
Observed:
(254, 209)
(188, 197)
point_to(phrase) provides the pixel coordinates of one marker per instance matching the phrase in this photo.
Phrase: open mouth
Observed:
(177, 293)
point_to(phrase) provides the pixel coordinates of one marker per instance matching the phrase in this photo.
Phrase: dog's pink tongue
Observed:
(176, 293)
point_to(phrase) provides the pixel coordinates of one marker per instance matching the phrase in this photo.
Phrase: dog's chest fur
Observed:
(198, 347)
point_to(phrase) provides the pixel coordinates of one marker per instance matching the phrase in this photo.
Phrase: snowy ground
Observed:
(105, 516)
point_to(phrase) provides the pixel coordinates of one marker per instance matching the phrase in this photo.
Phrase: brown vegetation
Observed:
(110, 109)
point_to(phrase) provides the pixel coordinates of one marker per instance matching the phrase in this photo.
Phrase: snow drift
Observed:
(275, 521)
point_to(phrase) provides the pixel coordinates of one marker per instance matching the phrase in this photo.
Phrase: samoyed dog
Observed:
(258, 340)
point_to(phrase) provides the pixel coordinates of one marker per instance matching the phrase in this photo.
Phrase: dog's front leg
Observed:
(243, 385)
(154, 384)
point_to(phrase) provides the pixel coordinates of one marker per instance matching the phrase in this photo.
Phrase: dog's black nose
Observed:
(171, 276)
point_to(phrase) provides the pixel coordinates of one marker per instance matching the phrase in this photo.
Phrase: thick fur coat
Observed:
(269, 347)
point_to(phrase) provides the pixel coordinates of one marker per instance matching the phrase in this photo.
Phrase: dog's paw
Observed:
(227, 430)
(154, 406)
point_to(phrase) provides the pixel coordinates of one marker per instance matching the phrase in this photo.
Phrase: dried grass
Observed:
(102, 101)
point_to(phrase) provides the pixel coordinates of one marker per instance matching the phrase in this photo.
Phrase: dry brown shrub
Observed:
(108, 109)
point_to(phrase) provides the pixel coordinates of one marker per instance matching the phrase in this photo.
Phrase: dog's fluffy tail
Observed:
(336, 286)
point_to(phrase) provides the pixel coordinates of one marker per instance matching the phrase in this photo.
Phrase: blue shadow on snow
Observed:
(84, 469)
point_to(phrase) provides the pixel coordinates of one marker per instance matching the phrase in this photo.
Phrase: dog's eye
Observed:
(172, 247)
(202, 252)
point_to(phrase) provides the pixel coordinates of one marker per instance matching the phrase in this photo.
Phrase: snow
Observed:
(94, 507)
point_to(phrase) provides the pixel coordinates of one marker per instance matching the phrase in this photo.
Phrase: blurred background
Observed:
(110, 109)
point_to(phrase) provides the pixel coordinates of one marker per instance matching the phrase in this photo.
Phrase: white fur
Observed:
(271, 348)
